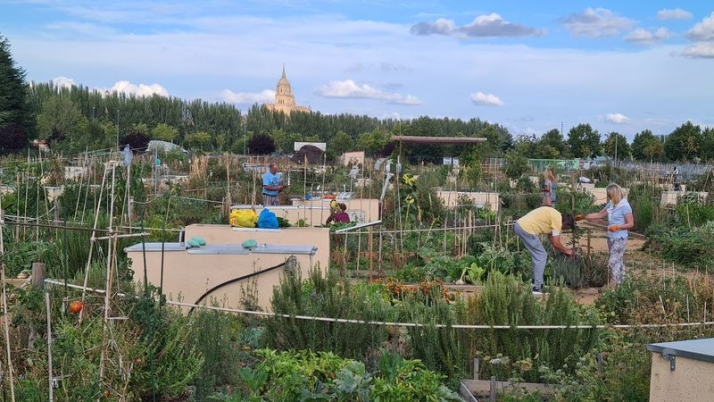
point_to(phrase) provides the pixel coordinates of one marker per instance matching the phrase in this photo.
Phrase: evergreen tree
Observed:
(13, 105)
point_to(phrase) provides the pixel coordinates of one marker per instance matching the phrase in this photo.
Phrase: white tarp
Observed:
(321, 145)
(164, 146)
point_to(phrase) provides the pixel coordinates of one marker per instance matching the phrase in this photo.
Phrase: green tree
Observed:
(616, 146)
(261, 144)
(683, 143)
(341, 143)
(544, 150)
(516, 165)
(373, 141)
(552, 145)
(583, 141)
(707, 148)
(200, 140)
(164, 132)
(641, 141)
(13, 138)
(525, 145)
(338, 145)
(14, 107)
(655, 148)
(498, 140)
(59, 118)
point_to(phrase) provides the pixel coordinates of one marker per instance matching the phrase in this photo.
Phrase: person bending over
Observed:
(538, 222)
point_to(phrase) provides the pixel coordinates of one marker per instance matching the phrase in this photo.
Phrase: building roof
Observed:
(410, 139)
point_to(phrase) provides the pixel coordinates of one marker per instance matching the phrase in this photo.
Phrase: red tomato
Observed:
(75, 307)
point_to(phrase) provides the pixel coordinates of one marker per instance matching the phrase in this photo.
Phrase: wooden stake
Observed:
(49, 346)
(5, 318)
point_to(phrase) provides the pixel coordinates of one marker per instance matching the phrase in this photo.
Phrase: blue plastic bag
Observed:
(267, 219)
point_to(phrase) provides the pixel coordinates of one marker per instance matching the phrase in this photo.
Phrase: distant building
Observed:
(284, 98)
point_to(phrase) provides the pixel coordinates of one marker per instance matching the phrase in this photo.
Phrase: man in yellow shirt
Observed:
(542, 221)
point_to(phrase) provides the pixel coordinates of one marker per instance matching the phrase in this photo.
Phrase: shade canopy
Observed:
(411, 139)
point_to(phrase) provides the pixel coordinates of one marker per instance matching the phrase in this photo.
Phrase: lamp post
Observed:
(614, 162)
(117, 129)
(244, 123)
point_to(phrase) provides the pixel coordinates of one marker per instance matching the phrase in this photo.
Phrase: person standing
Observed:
(542, 221)
(271, 186)
(549, 188)
(619, 219)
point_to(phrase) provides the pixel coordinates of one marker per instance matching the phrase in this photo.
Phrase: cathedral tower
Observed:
(284, 98)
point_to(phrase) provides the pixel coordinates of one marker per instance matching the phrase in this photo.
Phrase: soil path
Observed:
(595, 237)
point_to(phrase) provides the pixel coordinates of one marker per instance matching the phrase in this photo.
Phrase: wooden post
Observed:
(56, 210)
(129, 198)
(38, 273)
(49, 346)
(492, 395)
(371, 260)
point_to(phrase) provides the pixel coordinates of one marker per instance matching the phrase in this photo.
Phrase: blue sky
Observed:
(529, 66)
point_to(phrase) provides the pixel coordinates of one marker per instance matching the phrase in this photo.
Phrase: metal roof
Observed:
(411, 139)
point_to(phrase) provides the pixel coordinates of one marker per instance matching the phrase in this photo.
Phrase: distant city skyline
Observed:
(528, 66)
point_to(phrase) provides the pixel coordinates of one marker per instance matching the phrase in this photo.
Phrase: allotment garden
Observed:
(405, 306)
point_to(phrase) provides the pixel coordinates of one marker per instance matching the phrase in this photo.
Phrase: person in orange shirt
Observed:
(542, 221)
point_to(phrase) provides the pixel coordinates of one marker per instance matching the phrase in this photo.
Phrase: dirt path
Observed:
(595, 238)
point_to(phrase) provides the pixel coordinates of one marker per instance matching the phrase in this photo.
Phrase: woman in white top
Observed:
(619, 219)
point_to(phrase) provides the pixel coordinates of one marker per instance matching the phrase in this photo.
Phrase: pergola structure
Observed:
(411, 139)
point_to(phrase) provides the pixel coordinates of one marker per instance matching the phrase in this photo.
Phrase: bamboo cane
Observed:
(4, 306)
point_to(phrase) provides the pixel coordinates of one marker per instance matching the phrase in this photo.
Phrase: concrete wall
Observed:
(491, 201)
(690, 381)
(599, 193)
(186, 276)
(356, 157)
(361, 210)
(670, 197)
(315, 212)
(224, 234)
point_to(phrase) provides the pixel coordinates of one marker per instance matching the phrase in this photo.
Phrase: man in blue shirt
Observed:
(271, 186)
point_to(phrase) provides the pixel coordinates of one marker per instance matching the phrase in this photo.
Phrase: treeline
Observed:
(79, 118)
(688, 142)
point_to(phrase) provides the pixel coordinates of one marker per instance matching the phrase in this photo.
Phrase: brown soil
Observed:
(637, 261)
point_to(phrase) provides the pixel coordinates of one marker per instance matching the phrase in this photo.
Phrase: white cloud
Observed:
(595, 23)
(702, 34)
(480, 98)
(350, 89)
(441, 26)
(703, 31)
(617, 118)
(248, 98)
(128, 88)
(491, 25)
(63, 82)
(673, 14)
(700, 50)
(645, 37)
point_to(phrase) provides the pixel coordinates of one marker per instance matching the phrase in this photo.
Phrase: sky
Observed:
(530, 66)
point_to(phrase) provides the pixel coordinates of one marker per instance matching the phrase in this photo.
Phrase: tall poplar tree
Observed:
(15, 117)
(13, 105)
